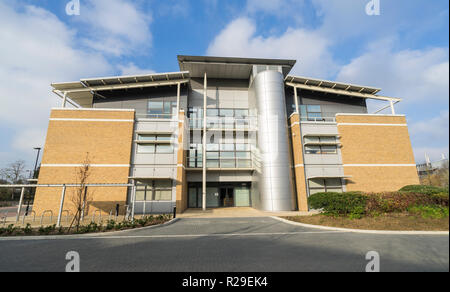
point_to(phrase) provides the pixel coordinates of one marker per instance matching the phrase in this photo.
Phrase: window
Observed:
(147, 137)
(311, 112)
(321, 149)
(162, 148)
(310, 139)
(145, 148)
(227, 147)
(327, 139)
(154, 137)
(241, 114)
(163, 191)
(140, 192)
(161, 109)
(212, 147)
(212, 112)
(148, 143)
(328, 149)
(320, 185)
(154, 191)
(166, 137)
(227, 113)
(227, 155)
(312, 149)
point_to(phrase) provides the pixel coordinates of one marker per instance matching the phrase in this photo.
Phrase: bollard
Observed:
(174, 212)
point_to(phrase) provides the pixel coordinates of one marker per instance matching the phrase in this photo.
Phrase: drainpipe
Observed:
(204, 143)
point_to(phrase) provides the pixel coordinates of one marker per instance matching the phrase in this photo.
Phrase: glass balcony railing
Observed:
(223, 123)
(195, 162)
(156, 116)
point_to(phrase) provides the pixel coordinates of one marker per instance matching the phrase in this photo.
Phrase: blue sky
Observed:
(404, 50)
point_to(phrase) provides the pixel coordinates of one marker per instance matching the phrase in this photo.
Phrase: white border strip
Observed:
(379, 165)
(367, 124)
(94, 109)
(361, 230)
(90, 120)
(80, 165)
(370, 115)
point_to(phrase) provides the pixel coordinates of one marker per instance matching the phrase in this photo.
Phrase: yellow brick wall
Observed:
(380, 179)
(68, 142)
(299, 170)
(369, 145)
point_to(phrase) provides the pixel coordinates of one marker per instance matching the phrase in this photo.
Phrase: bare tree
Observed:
(438, 177)
(14, 173)
(81, 197)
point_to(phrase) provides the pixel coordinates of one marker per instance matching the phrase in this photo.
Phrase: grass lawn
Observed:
(391, 221)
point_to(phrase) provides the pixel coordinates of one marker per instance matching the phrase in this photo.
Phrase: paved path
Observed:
(229, 245)
(240, 212)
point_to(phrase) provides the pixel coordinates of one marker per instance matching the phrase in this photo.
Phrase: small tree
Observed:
(81, 197)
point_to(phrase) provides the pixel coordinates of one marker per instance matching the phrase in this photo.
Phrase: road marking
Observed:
(73, 237)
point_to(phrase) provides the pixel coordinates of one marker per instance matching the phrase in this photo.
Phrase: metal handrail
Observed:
(51, 215)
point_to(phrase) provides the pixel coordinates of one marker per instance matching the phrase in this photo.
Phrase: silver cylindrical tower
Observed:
(275, 186)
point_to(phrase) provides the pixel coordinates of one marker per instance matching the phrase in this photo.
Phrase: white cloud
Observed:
(132, 69)
(37, 49)
(421, 78)
(310, 48)
(430, 136)
(115, 27)
(418, 76)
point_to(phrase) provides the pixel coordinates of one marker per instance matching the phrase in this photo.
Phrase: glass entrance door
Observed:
(227, 197)
(242, 197)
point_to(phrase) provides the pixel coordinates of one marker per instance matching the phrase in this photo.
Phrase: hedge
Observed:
(339, 203)
(357, 204)
(423, 189)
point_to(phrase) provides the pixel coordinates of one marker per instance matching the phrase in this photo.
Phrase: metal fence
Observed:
(129, 211)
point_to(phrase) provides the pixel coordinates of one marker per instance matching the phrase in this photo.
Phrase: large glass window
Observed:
(161, 109)
(311, 112)
(154, 191)
(163, 191)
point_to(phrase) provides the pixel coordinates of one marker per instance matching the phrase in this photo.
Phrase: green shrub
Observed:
(440, 199)
(435, 212)
(110, 224)
(27, 229)
(423, 189)
(395, 201)
(10, 229)
(350, 203)
(47, 230)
